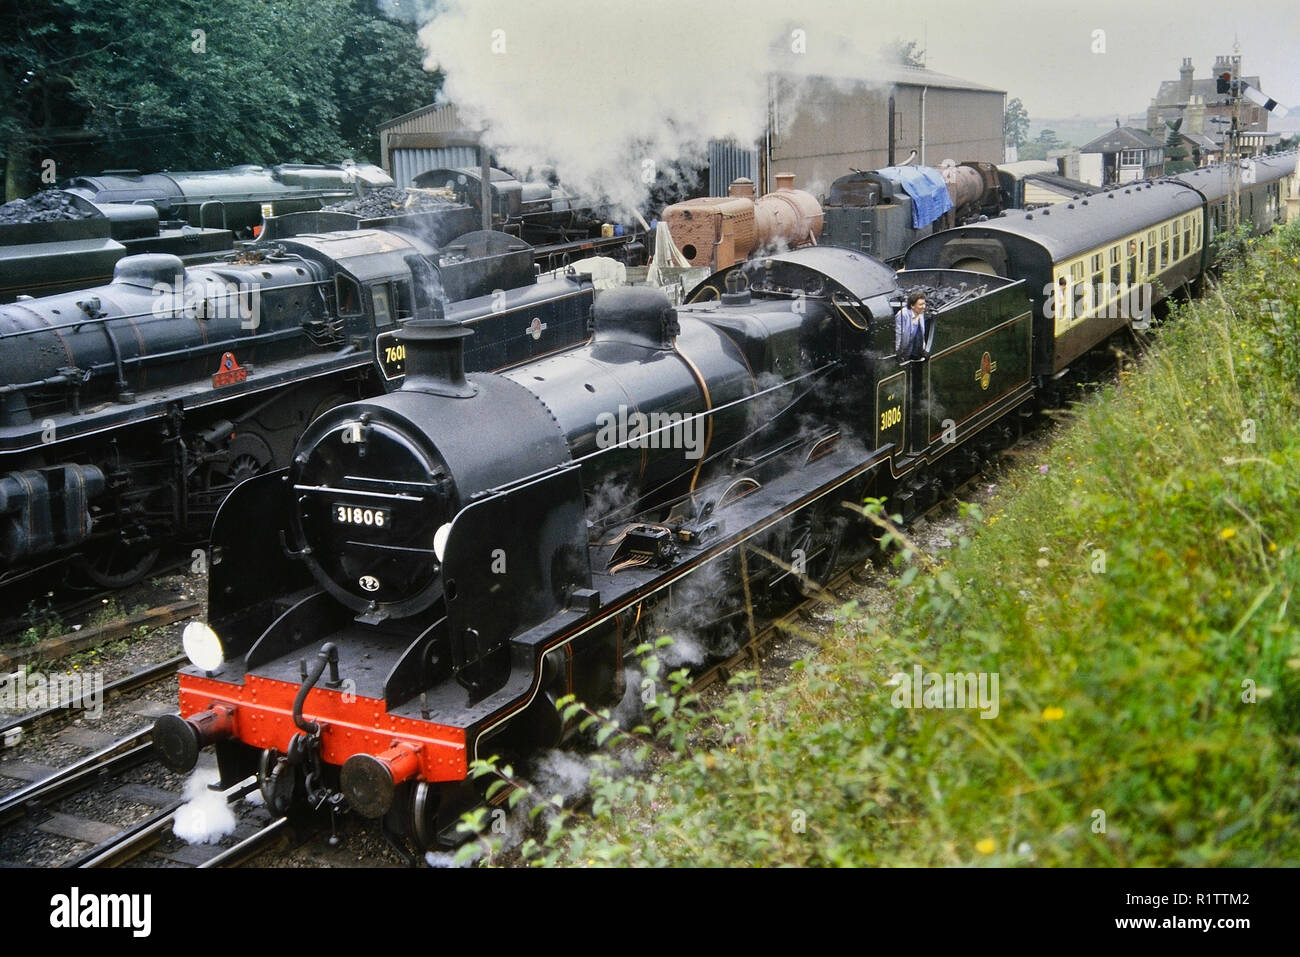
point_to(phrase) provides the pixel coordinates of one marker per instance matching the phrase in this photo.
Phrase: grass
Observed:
(42, 623)
(1134, 593)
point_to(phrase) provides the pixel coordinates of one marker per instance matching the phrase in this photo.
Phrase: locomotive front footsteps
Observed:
(457, 555)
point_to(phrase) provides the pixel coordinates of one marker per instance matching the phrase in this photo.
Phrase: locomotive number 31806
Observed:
(353, 515)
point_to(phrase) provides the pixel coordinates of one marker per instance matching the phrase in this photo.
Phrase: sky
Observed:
(1042, 52)
(1038, 50)
(611, 94)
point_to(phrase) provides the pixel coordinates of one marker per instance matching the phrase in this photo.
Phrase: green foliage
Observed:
(108, 612)
(1175, 152)
(1231, 247)
(43, 622)
(109, 85)
(1134, 591)
(908, 53)
(1015, 122)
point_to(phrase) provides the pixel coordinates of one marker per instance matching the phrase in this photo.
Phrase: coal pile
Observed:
(47, 206)
(941, 297)
(391, 201)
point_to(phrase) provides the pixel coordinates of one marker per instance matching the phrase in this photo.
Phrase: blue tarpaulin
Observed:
(925, 185)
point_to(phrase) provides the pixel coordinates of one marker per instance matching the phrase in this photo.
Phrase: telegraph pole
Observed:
(1233, 151)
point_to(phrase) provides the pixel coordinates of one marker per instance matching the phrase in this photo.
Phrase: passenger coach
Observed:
(1092, 265)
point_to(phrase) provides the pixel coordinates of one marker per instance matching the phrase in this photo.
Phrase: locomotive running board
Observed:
(755, 514)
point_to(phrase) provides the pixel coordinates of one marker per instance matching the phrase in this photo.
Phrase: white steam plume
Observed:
(205, 817)
(610, 93)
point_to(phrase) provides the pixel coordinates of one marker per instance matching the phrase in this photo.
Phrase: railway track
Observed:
(143, 837)
(132, 682)
(103, 772)
(113, 759)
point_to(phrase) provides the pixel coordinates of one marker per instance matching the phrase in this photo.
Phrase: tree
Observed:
(1174, 150)
(1015, 123)
(184, 84)
(1175, 153)
(909, 53)
(32, 59)
(380, 75)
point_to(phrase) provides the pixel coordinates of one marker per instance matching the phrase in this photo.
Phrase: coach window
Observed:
(348, 294)
(1151, 253)
(1187, 234)
(1164, 246)
(1132, 261)
(1114, 265)
(1177, 236)
(383, 304)
(1079, 304)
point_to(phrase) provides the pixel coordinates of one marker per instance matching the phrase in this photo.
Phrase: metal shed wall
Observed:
(410, 163)
(424, 139)
(728, 161)
(839, 125)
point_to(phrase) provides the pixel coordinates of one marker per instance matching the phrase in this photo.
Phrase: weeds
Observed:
(1134, 591)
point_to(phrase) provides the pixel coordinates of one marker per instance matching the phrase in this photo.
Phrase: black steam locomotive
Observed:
(83, 228)
(71, 238)
(457, 555)
(129, 410)
(467, 549)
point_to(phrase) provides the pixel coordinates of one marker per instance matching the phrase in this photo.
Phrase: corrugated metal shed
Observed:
(409, 163)
(435, 118)
(728, 161)
(836, 124)
(431, 137)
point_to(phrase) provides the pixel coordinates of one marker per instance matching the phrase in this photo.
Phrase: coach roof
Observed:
(1066, 229)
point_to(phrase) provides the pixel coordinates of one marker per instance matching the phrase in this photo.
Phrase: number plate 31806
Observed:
(358, 517)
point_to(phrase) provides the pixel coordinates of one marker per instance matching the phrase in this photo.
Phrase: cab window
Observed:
(383, 304)
(404, 306)
(348, 294)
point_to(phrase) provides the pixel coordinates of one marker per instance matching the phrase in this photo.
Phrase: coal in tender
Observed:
(47, 206)
(390, 201)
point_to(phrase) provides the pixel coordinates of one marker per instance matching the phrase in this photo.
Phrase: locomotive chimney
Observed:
(435, 357)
